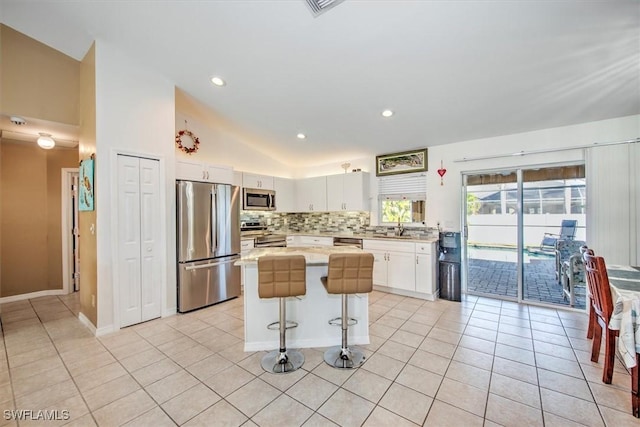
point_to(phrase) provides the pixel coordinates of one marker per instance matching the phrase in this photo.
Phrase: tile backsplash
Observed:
(358, 222)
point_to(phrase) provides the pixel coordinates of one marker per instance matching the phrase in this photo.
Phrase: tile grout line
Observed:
(573, 350)
(62, 359)
(6, 354)
(385, 341)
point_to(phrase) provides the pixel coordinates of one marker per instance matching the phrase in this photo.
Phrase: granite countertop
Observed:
(313, 256)
(407, 238)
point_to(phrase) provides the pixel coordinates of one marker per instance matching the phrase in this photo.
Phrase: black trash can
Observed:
(449, 263)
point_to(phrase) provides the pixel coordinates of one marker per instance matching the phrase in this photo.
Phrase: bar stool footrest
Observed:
(275, 326)
(277, 362)
(338, 321)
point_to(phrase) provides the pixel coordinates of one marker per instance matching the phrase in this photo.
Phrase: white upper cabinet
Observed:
(250, 180)
(348, 192)
(237, 178)
(311, 194)
(198, 171)
(285, 194)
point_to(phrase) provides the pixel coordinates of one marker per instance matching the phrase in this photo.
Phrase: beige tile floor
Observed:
(479, 362)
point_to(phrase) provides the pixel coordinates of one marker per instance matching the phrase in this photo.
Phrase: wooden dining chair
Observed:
(589, 297)
(600, 312)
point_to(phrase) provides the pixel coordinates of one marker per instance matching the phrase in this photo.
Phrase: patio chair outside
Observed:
(572, 270)
(567, 232)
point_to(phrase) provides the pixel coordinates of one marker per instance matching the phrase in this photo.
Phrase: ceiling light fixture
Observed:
(387, 113)
(301, 136)
(217, 81)
(18, 120)
(45, 141)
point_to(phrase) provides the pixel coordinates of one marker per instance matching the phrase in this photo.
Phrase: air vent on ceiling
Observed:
(320, 6)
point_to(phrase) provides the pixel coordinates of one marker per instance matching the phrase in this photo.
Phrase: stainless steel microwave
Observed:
(257, 199)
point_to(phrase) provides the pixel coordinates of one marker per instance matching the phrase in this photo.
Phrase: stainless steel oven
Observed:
(257, 199)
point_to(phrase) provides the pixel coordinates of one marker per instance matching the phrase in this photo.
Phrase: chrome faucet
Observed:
(399, 229)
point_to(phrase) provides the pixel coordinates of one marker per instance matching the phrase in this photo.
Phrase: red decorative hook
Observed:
(441, 172)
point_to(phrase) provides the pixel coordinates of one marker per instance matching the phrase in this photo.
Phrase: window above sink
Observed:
(402, 200)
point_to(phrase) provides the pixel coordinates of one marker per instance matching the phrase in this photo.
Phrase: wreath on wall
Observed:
(194, 139)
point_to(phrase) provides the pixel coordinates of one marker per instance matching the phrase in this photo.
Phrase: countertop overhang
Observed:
(313, 256)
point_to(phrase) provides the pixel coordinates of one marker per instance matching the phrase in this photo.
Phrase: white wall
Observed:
(135, 111)
(612, 203)
(221, 142)
(444, 202)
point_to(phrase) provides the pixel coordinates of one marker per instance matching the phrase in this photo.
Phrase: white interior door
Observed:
(138, 232)
(75, 233)
(149, 234)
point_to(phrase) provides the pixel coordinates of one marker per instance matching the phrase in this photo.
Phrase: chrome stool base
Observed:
(277, 362)
(344, 358)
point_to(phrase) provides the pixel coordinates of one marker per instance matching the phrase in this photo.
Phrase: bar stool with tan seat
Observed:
(282, 277)
(348, 273)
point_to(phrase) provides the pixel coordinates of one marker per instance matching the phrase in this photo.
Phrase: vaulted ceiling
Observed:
(450, 70)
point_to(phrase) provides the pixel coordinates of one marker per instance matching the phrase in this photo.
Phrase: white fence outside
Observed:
(501, 229)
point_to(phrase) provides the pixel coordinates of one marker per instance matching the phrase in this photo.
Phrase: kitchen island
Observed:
(312, 311)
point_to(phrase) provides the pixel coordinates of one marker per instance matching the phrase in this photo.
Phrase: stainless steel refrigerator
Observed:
(208, 243)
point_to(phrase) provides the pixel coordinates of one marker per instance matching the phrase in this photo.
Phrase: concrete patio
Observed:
(499, 278)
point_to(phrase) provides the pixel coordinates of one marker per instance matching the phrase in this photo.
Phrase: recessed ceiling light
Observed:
(301, 136)
(217, 81)
(387, 113)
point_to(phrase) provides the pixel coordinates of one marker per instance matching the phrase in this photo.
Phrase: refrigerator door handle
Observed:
(214, 222)
(209, 265)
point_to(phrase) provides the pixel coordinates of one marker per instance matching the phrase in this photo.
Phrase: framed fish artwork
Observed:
(85, 193)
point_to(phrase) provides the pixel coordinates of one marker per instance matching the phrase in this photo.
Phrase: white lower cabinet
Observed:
(401, 270)
(426, 281)
(403, 267)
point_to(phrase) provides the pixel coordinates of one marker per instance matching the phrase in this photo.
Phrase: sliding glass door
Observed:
(513, 219)
(492, 234)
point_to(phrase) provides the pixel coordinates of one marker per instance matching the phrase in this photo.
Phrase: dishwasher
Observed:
(347, 241)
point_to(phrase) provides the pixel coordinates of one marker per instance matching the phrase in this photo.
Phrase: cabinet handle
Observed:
(417, 260)
(207, 174)
(203, 175)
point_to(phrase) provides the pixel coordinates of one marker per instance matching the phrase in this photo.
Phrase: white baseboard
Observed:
(169, 312)
(406, 293)
(86, 322)
(105, 330)
(38, 294)
(308, 343)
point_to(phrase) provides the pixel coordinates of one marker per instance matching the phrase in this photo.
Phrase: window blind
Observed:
(399, 187)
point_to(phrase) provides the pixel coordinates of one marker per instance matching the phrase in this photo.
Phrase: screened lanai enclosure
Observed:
(509, 214)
